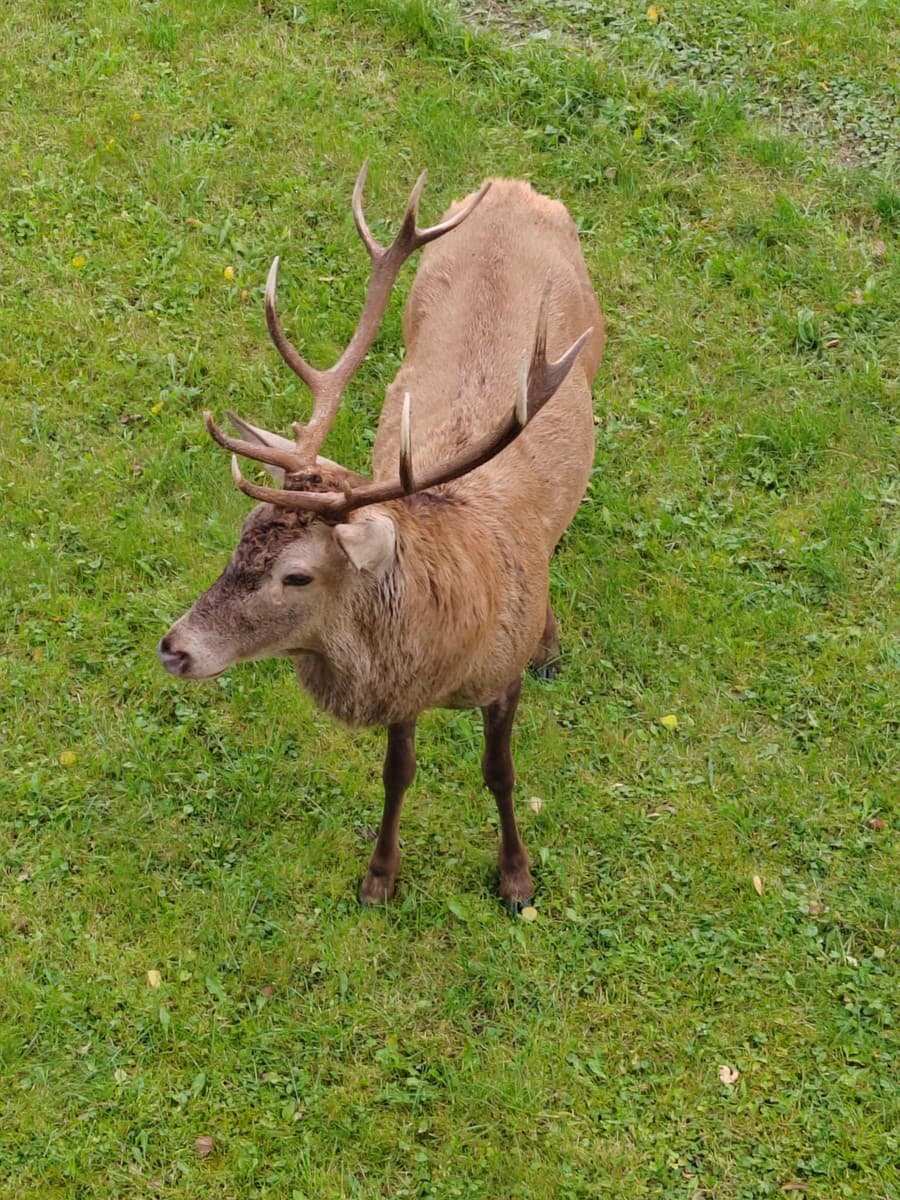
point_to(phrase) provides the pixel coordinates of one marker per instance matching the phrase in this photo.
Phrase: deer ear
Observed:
(370, 543)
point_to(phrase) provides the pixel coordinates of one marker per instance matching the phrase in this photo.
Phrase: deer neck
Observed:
(402, 641)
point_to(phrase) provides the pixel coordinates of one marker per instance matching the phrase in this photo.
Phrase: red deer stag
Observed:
(426, 586)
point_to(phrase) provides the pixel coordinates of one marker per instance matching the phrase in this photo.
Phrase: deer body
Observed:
(443, 601)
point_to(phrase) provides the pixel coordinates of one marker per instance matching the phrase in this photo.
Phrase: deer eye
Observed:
(296, 580)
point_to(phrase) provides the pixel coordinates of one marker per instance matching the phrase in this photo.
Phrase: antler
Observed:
(328, 386)
(539, 380)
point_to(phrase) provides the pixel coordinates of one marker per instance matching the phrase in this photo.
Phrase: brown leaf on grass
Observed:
(757, 885)
(154, 978)
(728, 1075)
(268, 991)
(204, 1146)
(877, 824)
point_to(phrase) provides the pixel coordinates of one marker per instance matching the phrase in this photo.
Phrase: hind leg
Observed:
(516, 884)
(545, 660)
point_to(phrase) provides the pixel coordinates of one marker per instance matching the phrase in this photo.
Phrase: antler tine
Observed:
(541, 379)
(328, 386)
(267, 454)
(435, 231)
(310, 376)
(406, 471)
(356, 204)
(522, 394)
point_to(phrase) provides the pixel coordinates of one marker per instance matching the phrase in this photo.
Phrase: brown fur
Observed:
(460, 606)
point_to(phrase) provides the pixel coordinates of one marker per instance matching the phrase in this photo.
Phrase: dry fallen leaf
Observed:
(728, 1075)
(204, 1146)
(757, 885)
(877, 824)
(535, 804)
(268, 991)
(154, 978)
(653, 14)
(670, 721)
(67, 758)
(529, 913)
(229, 274)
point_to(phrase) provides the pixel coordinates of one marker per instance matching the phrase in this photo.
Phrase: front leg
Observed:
(516, 884)
(399, 772)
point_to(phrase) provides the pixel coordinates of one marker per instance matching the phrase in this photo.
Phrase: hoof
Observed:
(516, 890)
(376, 889)
(546, 671)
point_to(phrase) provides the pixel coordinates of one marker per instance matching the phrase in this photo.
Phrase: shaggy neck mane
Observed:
(372, 659)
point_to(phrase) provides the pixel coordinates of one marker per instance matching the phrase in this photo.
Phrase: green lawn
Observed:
(733, 170)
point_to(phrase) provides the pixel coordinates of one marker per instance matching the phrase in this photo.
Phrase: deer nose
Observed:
(176, 662)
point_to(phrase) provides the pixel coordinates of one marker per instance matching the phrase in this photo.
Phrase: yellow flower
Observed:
(78, 261)
(135, 116)
(110, 142)
(670, 721)
(653, 14)
(229, 274)
(157, 407)
(67, 758)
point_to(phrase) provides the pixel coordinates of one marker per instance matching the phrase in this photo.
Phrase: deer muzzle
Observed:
(176, 662)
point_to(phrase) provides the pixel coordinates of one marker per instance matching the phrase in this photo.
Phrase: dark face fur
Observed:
(281, 590)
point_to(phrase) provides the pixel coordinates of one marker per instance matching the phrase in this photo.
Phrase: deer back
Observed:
(472, 312)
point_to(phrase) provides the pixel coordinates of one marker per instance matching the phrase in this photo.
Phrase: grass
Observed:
(734, 566)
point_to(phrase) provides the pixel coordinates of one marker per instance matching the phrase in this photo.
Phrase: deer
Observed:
(425, 585)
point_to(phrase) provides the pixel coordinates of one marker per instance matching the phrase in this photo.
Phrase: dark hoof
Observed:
(376, 890)
(546, 671)
(514, 907)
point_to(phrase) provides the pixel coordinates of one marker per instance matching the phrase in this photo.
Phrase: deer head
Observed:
(314, 554)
